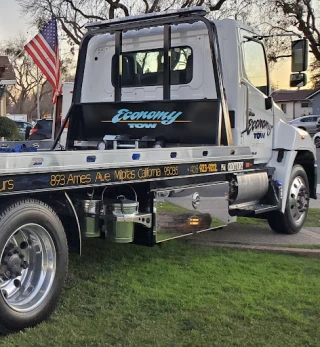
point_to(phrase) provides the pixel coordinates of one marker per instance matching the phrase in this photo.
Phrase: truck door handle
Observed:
(247, 105)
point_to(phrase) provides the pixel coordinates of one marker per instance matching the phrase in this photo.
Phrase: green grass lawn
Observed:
(313, 219)
(182, 295)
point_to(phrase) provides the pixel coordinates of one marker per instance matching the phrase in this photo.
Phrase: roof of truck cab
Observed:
(185, 27)
(227, 22)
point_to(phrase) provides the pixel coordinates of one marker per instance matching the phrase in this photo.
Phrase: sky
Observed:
(12, 24)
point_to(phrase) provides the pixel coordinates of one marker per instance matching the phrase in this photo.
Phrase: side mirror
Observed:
(268, 103)
(298, 79)
(299, 57)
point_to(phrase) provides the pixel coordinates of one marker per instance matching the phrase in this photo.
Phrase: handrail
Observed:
(247, 106)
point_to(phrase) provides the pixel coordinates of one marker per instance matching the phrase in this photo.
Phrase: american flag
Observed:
(44, 50)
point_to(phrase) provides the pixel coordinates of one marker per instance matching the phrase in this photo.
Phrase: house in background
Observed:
(7, 77)
(294, 103)
(315, 99)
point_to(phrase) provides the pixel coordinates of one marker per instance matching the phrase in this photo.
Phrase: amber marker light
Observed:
(194, 221)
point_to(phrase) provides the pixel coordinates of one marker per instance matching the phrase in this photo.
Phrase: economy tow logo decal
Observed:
(146, 119)
(260, 124)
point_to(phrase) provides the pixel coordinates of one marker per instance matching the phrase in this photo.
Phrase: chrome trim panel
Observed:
(188, 210)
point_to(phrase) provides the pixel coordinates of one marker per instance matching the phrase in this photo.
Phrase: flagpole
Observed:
(38, 95)
(54, 116)
(54, 120)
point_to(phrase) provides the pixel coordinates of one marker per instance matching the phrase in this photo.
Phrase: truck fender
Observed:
(62, 204)
(284, 160)
(291, 138)
(79, 243)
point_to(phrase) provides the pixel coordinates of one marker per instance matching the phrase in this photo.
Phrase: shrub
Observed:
(8, 129)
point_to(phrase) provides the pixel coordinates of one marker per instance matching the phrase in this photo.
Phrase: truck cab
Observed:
(242, 70)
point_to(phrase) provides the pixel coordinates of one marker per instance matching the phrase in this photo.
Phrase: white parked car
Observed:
(307, 123)
(316, 139)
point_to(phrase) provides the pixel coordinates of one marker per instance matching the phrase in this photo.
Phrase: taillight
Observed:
(33, 130)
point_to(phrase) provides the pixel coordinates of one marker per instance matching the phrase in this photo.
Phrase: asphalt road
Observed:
(236, 233)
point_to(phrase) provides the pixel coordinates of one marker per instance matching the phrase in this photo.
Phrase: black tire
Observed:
(32, 237)
(284, 223)
(317, 142)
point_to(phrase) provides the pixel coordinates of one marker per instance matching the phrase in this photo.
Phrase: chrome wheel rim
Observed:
(299, 200)
(27, 268)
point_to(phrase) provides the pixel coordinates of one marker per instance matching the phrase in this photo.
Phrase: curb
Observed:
(314, 253)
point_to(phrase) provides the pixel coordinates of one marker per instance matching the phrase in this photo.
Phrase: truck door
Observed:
(257, 131)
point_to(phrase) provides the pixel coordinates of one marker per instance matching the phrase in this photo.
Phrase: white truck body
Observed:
(171, 132)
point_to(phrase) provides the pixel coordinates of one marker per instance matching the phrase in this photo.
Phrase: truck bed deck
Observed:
(42, 171)
(48, 161)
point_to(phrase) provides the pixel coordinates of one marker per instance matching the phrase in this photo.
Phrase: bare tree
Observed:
(74, 14)
(26, 77)
(22, 97)
(295, 16)
(315, 74)
(241, 10)
(271, 16)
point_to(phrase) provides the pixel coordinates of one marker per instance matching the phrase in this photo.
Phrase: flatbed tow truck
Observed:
(171, 132)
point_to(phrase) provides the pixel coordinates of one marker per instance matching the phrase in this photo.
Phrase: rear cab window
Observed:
(145, 68)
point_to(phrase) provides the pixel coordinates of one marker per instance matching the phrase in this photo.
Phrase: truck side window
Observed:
(255, 65)
(145, 68)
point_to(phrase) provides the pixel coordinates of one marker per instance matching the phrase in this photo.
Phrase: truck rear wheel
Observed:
(292, 220)
(33, 267)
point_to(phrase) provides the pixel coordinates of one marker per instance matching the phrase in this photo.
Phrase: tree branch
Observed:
(76, 9)
(146, 5)
(68, 32)
(217, 6)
